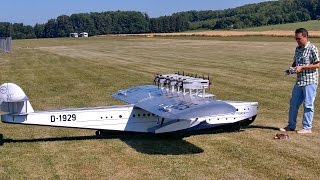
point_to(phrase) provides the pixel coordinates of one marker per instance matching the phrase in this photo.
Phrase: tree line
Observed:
(129, 22)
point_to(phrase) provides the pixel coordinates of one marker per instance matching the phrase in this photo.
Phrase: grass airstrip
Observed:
(64, 73)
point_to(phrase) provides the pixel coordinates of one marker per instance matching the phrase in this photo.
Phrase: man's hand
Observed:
(298, 69)
(290, 70)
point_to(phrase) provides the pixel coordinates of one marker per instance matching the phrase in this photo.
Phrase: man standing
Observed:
(305, 65)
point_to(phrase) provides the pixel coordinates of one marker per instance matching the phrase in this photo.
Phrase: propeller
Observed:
(208, 78)
(209, 82)
(176, 85)
(155, 80)
(181, 85)
(167, 81)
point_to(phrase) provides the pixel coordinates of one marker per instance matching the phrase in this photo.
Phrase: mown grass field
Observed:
(62, 73)
(312, 25)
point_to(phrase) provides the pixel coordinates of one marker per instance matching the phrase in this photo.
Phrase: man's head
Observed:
(301, 36)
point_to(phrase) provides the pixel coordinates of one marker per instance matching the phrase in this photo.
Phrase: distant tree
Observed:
(181, 23)
(154, 25)
(22, 32)
(239, 25)
(63, 26)
(308, 5)
(293, 17)
(83, 23)
(166, 24)
(303, 15)
(88, 24)
(39, 30)
(6, 29)
(102, 22)
(29, 32)
(76, 22)
(50, 29)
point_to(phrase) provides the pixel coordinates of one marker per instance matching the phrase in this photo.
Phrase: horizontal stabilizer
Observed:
(10, 92)
(13, 100)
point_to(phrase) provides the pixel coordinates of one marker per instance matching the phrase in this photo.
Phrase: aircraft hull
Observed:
(130, 118)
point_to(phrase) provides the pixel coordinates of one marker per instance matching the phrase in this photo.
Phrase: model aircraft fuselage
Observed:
(174, 103)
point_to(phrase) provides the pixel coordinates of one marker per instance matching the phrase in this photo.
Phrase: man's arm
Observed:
(309, 67)
(314, 65)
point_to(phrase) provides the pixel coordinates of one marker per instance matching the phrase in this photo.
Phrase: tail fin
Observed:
(13, 100)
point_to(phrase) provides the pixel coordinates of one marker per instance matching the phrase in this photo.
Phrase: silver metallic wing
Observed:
(171, 104)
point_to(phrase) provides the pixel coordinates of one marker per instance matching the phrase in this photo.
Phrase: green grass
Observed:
(245, 39)
(313, 25)
(61, 73)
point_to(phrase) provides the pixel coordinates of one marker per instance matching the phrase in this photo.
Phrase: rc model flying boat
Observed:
(175, 102)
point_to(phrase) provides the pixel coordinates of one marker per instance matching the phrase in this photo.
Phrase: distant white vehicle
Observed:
(174, 103)
(74, 35)
(84, 34)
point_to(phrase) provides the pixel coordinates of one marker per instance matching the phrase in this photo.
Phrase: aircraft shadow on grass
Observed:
(153, 144)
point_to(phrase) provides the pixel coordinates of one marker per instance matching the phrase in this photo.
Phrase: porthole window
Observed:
(134, 115)
(120, 116)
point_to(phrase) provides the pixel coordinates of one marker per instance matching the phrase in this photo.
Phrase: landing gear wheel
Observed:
(1, 140)
(98, 133)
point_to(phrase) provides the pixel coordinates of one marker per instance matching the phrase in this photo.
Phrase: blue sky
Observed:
(31, 12)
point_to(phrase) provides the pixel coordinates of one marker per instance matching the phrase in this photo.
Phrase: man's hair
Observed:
(303, 31)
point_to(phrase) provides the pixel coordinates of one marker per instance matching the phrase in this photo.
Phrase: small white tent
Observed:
(84, 34)
(73, 34)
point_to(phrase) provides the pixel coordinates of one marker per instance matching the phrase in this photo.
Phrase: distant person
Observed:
(305, 65)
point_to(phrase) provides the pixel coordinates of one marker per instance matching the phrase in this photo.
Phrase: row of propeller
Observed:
(193, 75)
(178, 82)
(167, 81)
